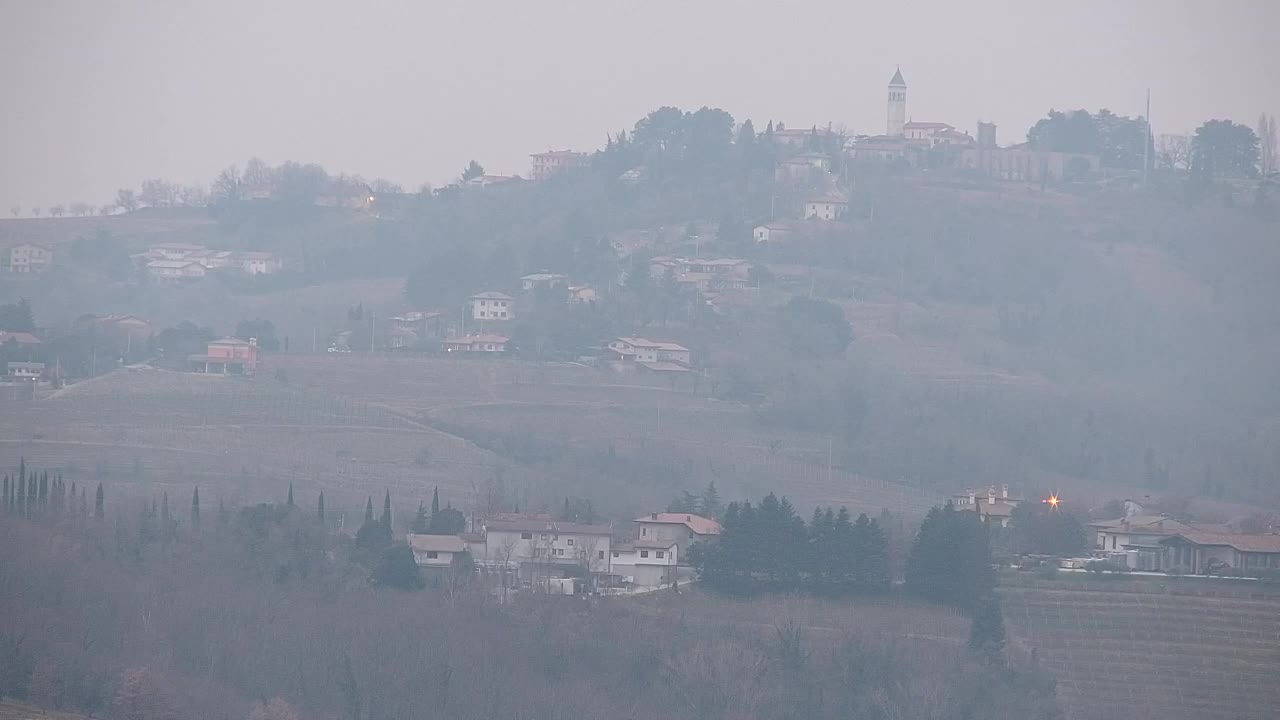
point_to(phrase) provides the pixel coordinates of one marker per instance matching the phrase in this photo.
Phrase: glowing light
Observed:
(1052, 501)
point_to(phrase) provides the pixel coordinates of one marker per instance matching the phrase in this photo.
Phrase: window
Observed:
(644, 553)
(432, 554)
(526, 536)
(661, 554)
(644, 531)
(615, 553)
(600, 555)
(570, 542)
(1113, 542)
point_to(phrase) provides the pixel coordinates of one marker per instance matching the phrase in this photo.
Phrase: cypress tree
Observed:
(289, 500)
(33, 494)
(20, 498)
(224, 517)
(195, 507)
(386, 511)
(986, 635)
(421, 523)
(435, 501)
(320, 508)
(84, 502)
(44, 489)
(98, 504)
(368, 509)
(6, 493)
(164, 508)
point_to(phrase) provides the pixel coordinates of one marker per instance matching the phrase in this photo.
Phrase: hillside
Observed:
(1156, 647)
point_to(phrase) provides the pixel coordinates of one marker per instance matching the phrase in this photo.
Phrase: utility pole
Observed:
(372, 328)
(1146, 143)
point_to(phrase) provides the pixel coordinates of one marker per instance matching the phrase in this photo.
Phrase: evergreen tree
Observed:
(20, 498)
(386, 512)
(6, 493)
(195, 507)
(435, 501)
(84, 502)
(43, 490)
(566, 514)
(368, 510)
(711, 506)
(224, 515)
(289, 501)
(320, 508)
(950, 561)
(872, 546)
(422, 521)
(986, 634)
(98, 506)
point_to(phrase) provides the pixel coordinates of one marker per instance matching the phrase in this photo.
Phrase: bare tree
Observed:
(16, 209)
(1267, 140)
(127, 199)
(157, 193)
(1174, 152)
(257, 174)
(80, 209)
(57, 211)
(228, 187)
(105, 210)
(35, 212)
(194, 196)
(383, 186)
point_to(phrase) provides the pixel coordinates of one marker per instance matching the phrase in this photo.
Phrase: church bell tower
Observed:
(897, 105)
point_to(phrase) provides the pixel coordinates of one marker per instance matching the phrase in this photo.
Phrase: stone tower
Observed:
(897, 105)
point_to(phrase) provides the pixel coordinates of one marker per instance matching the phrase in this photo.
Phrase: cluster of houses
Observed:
(1156, 542)
(178, 262)
(1146, 541)
(538, 552)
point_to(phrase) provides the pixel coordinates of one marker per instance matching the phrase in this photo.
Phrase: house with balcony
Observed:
(477, 344)
(537, 548)
(1136, 540)
(543, 281)
(682, 530)
(645, 351)
(644, 563)
(29, 258)
(175, 271)
(1201, 553)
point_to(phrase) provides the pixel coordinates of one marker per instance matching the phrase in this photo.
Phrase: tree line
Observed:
(35, 495)
(769, 548)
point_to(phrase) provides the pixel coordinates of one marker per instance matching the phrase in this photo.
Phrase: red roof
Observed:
(696, 523)
(22, 338)
(927, 125)
(548, 526)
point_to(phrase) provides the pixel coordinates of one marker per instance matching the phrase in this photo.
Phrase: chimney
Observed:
(973, 496)
(688, 518)
(653, 516)
(1004, 490)
(991, 495)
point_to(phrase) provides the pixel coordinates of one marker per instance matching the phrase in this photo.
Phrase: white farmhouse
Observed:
(645, 563)
(680, 529)
(435, 550)
(829, 207)
(491, 306)
(539, 549)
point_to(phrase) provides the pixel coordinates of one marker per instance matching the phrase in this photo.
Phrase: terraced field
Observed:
(246, 438)
(1155, 654)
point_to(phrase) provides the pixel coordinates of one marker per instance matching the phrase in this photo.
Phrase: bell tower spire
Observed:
(896, 126)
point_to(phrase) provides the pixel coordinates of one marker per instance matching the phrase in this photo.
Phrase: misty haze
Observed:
(639, 361)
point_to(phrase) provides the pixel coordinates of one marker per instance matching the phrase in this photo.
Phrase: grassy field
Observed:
(14, 710)
(1159, 649)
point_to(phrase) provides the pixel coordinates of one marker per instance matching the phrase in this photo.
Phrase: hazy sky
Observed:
(99, 95)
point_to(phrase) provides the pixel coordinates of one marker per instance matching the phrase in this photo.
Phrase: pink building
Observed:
(229, 356)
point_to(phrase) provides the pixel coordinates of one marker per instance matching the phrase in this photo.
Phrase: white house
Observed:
(926, 131)
(26, 370)
(435, 550)
(491, 306)
(645, 563)
(477, 343)
(995, 508)
(830, 207)
(260, 263)
(539, 548)
(540, 281)
(29, 257)
(680, 529)
(643, 350)
(175, 270)
(771, 232)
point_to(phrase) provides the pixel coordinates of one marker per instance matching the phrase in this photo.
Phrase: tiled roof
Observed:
(435, 543)
(1239, 541)
(491, 296)
(1143, 525)
(472, 339)
(22, 338)
(696, 523)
